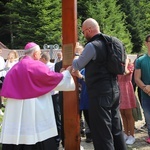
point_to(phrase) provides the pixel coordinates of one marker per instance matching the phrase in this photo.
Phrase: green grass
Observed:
(0, 130)
(1, 118)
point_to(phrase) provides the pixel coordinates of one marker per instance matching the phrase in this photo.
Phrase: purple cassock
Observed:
(29, 114)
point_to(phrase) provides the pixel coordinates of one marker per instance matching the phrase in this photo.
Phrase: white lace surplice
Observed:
(32, 120)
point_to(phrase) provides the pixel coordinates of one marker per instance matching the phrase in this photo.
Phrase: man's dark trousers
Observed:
(106, 127)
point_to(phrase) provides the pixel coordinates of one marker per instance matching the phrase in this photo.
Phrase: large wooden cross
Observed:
(70, 99)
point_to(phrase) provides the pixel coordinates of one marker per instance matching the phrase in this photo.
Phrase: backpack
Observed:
(116, 56)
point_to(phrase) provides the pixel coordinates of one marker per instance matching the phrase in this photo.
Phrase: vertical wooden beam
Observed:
(70, 101)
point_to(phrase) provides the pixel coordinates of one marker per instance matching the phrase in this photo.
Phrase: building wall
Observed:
(21, 52)
(5, 52)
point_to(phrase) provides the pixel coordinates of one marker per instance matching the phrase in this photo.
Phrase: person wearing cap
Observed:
(29, 121)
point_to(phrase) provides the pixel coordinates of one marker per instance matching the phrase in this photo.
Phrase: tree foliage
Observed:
(22, 21)
(33, 20)
(110, 18)
(136, 16)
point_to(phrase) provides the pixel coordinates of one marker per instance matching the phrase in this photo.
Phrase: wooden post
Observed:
(70, 99)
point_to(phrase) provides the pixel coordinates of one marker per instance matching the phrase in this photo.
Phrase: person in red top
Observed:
(127, 102)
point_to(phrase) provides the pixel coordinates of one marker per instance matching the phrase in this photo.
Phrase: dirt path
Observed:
(140, 135)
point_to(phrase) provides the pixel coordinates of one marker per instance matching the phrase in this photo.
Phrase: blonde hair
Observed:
(15, 53)
(79, 48)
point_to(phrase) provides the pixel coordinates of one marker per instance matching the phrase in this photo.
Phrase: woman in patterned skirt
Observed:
(127, 102)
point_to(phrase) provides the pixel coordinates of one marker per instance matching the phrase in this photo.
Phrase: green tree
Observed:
(40, 21)
(4, 31)
(145, 21)
(136, 16)
(33, 20)
(111, 19)
(82, 9)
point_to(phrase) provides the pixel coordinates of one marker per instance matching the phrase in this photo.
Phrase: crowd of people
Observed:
(33, 117)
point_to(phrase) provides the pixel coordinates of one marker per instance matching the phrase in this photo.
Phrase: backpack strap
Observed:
(95, 43)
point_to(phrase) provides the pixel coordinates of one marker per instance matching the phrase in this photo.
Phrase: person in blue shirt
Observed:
(84, 105)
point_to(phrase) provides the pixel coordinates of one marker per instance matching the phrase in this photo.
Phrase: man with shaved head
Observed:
(103, 90)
